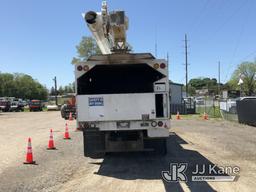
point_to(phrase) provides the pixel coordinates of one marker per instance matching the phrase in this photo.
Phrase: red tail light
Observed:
(160, 123)
(162, 65)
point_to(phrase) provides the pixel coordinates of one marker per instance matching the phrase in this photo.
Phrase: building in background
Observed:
(176, 100)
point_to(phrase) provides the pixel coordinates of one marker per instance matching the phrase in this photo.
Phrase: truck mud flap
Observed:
(94, 143)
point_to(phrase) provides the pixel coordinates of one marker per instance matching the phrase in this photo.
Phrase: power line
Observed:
(249, 55)
(240, 35)
(227, 19)
(199, 20)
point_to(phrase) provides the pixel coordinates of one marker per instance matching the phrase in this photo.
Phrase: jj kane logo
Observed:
(176, 173)
(205, 172)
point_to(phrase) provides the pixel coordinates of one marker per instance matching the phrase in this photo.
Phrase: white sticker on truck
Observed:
(96, 101)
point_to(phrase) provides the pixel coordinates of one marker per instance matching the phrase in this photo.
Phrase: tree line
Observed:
(21, 86)
(62, 90)
(245, 73)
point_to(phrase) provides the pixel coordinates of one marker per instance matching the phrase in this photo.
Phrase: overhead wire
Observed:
(237, 43)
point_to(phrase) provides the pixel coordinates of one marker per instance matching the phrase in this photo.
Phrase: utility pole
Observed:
(186, 62)
(219, 78)
(55, 90)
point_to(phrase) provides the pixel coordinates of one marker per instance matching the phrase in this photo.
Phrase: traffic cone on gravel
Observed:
(66, 134)
(51, 142)
(178, 115)
(29, 156)
(205, 116)
(70, 117)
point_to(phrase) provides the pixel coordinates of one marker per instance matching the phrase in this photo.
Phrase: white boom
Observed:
(108, 29)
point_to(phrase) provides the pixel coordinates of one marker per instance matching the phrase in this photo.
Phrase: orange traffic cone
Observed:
(66, 135)
(51, 142)
(29, 156)
(70, 117)
(178, 115)
(205, 116)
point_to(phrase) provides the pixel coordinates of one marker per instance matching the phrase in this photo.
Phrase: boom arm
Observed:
(108, 29)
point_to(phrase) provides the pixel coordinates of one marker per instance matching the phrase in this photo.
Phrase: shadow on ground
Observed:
(131, 166)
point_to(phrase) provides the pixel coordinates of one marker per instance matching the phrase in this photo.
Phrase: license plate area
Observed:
(123, 124)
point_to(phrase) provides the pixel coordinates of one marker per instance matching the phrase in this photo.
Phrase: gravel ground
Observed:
(192, 141)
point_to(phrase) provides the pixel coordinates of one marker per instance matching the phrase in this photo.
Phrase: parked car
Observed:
(5, 105)
(16, 106)
(35, 105)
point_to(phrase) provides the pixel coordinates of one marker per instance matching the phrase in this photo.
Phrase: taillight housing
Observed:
(160, 123)
(86, 68)
(153, 123)
(156, 66)
(162, 65)
(79, 68)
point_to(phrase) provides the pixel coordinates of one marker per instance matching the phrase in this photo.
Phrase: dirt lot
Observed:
(192, 141)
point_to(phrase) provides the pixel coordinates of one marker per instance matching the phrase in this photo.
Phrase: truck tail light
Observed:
(86, 68)
(79, 68)
(162, 65)
(160, 123)
(153, 123)
(156, 65)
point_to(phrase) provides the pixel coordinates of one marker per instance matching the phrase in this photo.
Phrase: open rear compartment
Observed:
(116, 79)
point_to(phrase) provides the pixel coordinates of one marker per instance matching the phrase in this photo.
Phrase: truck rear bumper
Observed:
(154, 128)
(97, 143)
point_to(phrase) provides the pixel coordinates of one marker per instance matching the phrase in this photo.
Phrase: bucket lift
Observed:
(108, 29)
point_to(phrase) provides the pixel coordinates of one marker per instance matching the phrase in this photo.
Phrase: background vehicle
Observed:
(69, 107)
(35, 105)
(5, 105)
(16, 106)
(122, 98)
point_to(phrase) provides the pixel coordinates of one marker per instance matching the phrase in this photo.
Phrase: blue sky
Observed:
(39, 37)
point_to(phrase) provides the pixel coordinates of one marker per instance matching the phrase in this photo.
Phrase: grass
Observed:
(26, 109)
(213, 112)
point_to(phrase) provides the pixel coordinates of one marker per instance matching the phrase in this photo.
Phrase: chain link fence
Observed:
(209, 105)
(218, 108)
(228, 109)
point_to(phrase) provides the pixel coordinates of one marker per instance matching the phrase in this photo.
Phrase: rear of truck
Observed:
(123, 103)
